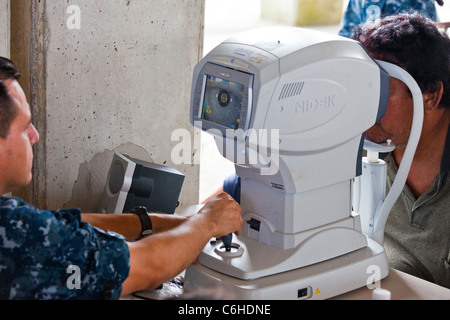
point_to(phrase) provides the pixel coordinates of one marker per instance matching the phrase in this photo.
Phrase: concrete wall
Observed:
(4, 28)
(113, 76)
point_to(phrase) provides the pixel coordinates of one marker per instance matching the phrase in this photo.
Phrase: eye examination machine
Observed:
(290, 107)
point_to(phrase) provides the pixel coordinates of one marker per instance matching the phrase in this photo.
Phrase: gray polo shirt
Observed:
(417, 234)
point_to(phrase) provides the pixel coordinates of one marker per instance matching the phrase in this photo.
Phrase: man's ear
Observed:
(431, 100)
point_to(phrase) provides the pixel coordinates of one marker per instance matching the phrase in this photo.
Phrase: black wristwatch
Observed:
(146, 222)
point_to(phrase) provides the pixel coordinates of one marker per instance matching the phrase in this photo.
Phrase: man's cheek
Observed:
(376, 134)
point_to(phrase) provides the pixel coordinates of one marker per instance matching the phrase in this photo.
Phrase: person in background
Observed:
(64, 254)
(360, 11)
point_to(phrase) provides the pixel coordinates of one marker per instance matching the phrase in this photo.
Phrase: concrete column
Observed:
(4, 28)
(105, 76)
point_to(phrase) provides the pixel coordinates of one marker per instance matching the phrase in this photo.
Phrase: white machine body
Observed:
(369, 189)
(299, 102)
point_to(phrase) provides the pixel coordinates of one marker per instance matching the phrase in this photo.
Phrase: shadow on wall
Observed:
(90, 183)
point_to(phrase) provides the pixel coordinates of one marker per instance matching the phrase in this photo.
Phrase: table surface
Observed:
(402, 286)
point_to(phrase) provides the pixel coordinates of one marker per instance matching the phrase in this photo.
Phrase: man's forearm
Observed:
(157, 258)
(129, 225)
(160, 257)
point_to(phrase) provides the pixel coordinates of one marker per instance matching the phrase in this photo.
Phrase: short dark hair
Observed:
(414, 43)
(8, 110)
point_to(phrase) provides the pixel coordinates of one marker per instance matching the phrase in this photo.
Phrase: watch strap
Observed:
(146, 222)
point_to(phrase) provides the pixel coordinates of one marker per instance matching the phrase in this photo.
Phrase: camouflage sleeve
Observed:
(53, 255)
(426, 8)
(360, 11)
(351, 18)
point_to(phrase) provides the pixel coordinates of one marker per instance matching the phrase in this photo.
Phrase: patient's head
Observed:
(414, 43)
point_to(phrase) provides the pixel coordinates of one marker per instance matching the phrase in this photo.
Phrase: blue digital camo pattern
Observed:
(360, 11)
(37, 247)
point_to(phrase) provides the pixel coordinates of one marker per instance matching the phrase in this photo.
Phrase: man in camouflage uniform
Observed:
(39, 250)
(64, 254)
(360, 11)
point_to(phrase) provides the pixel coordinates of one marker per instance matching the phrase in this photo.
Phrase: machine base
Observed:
(319, 281)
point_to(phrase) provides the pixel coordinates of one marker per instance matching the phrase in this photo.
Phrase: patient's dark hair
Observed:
(414, 43)
(8, 110)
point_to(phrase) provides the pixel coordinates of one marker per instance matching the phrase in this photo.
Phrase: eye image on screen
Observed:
(222, 102)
